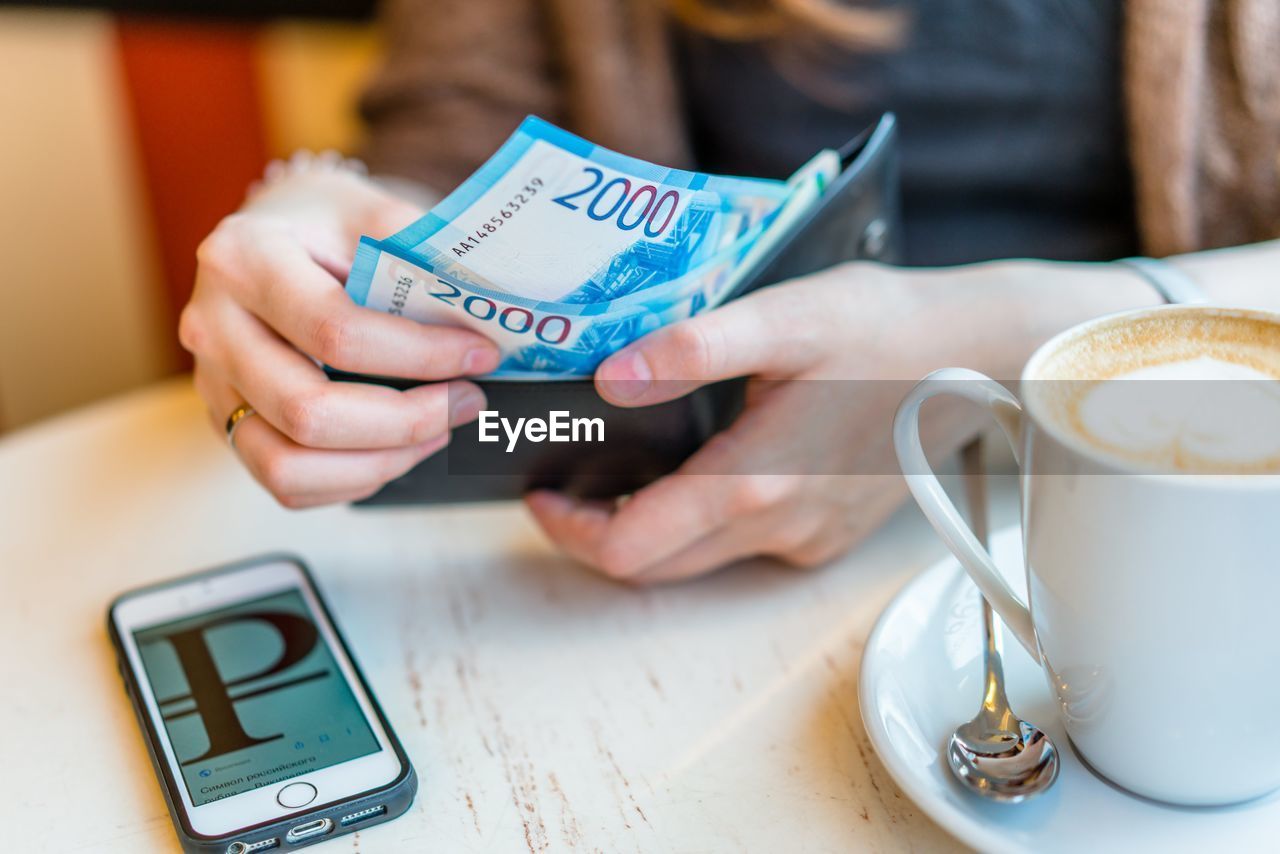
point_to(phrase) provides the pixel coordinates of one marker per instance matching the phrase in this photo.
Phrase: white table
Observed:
(544, 708)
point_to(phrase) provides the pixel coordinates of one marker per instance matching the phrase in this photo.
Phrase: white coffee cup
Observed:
(1154, 594)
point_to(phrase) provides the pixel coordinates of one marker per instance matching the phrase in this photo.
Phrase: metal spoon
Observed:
(996, 755)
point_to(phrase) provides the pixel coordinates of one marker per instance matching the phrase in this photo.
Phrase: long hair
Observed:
(838, 21)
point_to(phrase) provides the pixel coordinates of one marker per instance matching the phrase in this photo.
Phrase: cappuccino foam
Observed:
(1192, 390)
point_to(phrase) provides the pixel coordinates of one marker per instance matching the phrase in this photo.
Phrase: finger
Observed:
(213, 391)
(308, 307)
(713, 552)
(720, 484)
(697, 522)
(300, 476)
(622, 542)
(797, 532)
(575, 527)
(305, 477)
(755, 465)
(303, 403)
(763, 334)
(677, 511)
(310, 500)
(584, 530)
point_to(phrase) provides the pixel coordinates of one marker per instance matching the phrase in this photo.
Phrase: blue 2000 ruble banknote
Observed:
(563, 252)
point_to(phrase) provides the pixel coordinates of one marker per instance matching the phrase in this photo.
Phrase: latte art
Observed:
(1220, 414)
(1190, 392)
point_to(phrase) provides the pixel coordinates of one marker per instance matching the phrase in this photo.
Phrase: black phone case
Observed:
(857, 218)
(396, 796)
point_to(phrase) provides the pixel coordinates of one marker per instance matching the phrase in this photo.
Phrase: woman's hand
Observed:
(269, 303)
(808, 468)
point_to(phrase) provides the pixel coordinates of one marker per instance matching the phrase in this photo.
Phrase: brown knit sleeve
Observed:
(456, 79)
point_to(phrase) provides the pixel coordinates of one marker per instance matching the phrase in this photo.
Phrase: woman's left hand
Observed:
(808, 468)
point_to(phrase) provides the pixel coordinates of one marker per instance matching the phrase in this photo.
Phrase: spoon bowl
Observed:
(1003, 765)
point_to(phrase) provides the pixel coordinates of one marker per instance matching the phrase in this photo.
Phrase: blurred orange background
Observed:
(125, 140)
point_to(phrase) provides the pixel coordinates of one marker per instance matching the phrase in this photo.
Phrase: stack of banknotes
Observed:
(563, 252)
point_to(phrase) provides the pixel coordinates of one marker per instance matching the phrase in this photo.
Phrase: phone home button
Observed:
(296, 795)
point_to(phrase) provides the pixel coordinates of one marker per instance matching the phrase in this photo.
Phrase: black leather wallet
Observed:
(857, 218)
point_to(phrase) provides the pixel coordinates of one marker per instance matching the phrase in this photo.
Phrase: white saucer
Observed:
(922, 675)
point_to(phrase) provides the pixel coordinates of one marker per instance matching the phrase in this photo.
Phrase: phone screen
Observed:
(251, 695)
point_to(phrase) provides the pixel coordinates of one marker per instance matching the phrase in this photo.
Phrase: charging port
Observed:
(363, 815)
(319, 827)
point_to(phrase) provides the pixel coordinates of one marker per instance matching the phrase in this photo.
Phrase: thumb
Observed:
(762, 334)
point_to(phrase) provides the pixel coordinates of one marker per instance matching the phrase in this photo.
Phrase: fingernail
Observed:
(464, 406)
(626, 376)
(480, 360)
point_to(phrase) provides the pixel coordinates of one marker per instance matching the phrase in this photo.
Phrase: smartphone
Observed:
(262, 729)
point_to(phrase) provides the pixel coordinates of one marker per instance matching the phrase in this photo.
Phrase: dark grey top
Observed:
(1010, 112)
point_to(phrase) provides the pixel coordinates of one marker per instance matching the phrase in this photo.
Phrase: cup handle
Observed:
(937, 505)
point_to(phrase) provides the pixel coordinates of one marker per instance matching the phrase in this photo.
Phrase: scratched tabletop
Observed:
(545, 709)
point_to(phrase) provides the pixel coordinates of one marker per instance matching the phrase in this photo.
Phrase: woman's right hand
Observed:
(269, 303)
